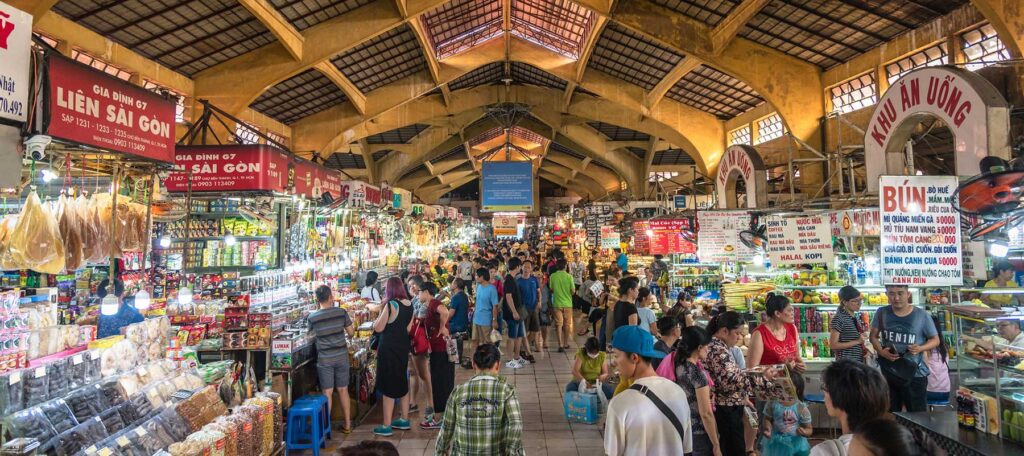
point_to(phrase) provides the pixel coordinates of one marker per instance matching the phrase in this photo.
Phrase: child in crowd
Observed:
(938, 370)
(787, 424)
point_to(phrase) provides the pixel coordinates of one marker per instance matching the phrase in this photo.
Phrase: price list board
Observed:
(800, 240)
(920, 231)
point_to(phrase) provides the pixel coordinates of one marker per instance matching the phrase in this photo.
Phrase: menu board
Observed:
(670, 236)
(974, 260)
(610, 238)
(718, 238)
(597, 215)
(799, 240)
(920, 231)
(641, 242)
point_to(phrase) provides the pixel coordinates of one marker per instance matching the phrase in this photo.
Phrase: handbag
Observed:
(898, 373)
(419, 339)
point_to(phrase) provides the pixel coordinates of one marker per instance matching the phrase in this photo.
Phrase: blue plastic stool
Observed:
(305, 430)
(321, 401)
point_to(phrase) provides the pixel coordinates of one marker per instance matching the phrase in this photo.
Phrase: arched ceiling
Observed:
(388, 89)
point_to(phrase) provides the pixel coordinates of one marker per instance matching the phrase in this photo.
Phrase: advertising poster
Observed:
(671, 236)
(360, 194)
(229, 168)
(855, 222)
(799, 240)
(15, 53)
(610, 238)
(87, 106)
(596, 216)
(974, 261)
(718, 239)
(313, 180)
(507, 186)
(920, 231)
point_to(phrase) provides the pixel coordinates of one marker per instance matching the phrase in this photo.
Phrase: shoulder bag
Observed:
(375, 337)
(664, 409)
(898, 373)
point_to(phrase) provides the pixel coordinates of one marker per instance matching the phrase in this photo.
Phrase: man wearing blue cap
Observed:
(652, 416)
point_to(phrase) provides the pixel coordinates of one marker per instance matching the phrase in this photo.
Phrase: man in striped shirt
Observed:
(331, 326)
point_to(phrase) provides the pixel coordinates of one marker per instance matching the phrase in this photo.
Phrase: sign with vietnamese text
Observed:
(507, 186)
(975, 112)
(670, 236)
(855, 222)
(610, 238)
(920, 231)
(90, 107)
(505, 225)
(741, 161)
(15, 62)
(718, 237)
(360, 194)
(253, 167)
(974, 261)
(799, 240)
(313, 180)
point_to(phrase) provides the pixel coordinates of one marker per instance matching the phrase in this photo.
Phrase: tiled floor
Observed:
(540, 388)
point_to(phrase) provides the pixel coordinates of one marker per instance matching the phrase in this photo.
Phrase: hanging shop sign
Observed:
(87, 106)
(387, 195)
(313, 180)
(403, 199)
(596, 216)
(670, 236)
(610, 238)
(506, 225)
(920, 231)
(974, 111)
(641, 240)
(700, 202)
(855, 222)
(974, 261)
(507, 186)
(799, 240)
(741, 162)
(254, 167)
(718, 237)
(359, 194)
(16, 55)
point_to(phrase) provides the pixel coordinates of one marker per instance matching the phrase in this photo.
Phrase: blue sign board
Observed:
(680, 201)
(507, 186)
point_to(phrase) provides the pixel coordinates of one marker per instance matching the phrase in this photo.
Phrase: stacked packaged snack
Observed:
(201, 408)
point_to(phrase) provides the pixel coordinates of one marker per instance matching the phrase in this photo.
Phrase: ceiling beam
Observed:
(588, 47)
(726, 30)
(428, 54)
(570, 88)
(285, 32)
(351, 91)
(37, 8)
(681, 69)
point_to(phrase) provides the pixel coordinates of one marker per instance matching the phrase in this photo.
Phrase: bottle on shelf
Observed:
(815, 350)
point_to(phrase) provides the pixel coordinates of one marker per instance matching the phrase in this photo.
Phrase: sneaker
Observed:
(531, 359)
(429, 411)
(523, 361)
(513, 364)
(401, 425)
(413, 408)
(430, 423)
(384, 431)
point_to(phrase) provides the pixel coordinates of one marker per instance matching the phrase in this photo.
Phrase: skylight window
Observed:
(558, 25)
(983, 48)
(461, 24)
(179, 99)
(101, 65)
(740, 136)
(931, 56)
(246, 134)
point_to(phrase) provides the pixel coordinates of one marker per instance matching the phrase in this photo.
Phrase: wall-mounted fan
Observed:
(992, 198)
(755, 237)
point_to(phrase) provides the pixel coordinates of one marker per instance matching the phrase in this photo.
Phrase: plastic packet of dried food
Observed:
(111, 391)
(30, 423)
(37, 388)
(35, 241)
(79, 437)
(78, 370)
(112, 421)
(129, 413)
(142, 405)
(59, 415)
(93, 359)
(129, 384)
(86, 402)
(12, 392)
(173, 424)
(58, 377)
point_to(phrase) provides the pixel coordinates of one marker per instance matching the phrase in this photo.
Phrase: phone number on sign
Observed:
(122, 139)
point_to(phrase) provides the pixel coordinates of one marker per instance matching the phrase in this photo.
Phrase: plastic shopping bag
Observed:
(582, 407)
(595, 390)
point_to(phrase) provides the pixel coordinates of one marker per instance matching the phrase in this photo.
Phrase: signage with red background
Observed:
(313, 180)
(92, 108)
(229, 168)
(359, 193)
(668, 237)
(387, 195)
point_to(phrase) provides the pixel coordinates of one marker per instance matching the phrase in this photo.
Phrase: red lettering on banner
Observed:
(906, 199)
(229, 168)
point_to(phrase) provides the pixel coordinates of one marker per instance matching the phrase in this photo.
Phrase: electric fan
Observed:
(992, 198)
(755, 238)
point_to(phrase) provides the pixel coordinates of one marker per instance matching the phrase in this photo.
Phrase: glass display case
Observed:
(990, 371)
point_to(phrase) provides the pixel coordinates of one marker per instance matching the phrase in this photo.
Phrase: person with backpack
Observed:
(902, 335)
(652, 416)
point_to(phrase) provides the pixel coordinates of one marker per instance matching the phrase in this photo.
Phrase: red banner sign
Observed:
(641, 241)
(229, 168)
(668, 237)
(90, 107)
(360, 194)
(313, 180)
(387, 195)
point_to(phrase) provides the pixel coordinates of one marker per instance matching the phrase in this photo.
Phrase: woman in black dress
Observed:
(394, 324)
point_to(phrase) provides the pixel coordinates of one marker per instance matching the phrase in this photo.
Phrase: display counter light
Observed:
(142, 300)
(109, 305)
(165, 241)
(230, 240)
(185, 296)
(999, 248)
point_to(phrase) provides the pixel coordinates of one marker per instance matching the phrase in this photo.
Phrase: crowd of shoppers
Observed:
(673, 386)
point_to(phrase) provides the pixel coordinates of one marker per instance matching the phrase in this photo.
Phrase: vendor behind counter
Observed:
(1002, 273)
(110, 325)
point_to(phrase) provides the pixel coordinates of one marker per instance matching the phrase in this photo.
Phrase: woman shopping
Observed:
(775, 341)
(393, 326)
(848, 333)
(691, 348)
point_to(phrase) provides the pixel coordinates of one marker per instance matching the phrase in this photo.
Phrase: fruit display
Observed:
(736, 295)
(813, 278)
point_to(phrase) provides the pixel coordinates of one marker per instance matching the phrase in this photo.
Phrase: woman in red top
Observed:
(442, 370)
(777, 341)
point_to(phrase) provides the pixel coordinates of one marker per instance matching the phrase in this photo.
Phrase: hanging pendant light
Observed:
(142, 300)
(109, 305)
(185, 296)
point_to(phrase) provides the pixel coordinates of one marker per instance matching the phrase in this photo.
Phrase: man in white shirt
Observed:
(466, 269)
(635, 424)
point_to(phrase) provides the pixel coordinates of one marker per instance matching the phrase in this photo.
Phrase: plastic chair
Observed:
(304, 429)
(321, 401)
(819, 398)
